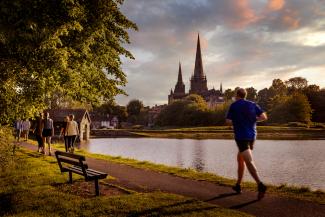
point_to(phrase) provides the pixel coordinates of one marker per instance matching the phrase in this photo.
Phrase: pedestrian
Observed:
(37, 130)
(63, 132)
(25, 128)
(48, 131)
(18, 129)
(71, 132)
(243, 115)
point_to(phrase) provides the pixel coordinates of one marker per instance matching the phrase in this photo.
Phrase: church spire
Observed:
(198, 69)
(180, 77)
(221, 87)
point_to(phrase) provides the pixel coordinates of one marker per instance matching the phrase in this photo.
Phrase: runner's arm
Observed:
(262, 117)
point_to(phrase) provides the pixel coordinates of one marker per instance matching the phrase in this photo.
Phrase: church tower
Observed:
(198, 80)
(180, 86)
(179, 91)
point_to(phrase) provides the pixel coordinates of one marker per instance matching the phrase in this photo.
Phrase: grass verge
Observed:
(28, 188)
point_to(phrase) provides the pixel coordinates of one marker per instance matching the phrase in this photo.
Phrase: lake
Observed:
(294, 162)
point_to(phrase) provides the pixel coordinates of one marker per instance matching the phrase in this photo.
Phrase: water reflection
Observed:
(198, 156)
(278, 162)
(179, 154)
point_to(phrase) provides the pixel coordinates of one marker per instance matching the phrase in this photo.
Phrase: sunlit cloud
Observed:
(275, 5)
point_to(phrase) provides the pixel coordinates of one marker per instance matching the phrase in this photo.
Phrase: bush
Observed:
(317, 125)
(296, 124)
(6, 147)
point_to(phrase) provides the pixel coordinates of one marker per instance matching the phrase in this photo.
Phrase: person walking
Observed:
(243, 115)
(63, 132)
(71, 132)
(48, 131)
(25, 128)
(18, 129)
(37, 130)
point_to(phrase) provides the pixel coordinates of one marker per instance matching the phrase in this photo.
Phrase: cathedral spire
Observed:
(198, 69)
(221, 87)
(180, 77)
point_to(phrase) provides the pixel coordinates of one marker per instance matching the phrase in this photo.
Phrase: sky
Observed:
(245, 43)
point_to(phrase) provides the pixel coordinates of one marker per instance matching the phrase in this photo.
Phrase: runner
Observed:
(243, 115)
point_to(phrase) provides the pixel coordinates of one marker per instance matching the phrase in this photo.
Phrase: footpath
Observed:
(146, 181)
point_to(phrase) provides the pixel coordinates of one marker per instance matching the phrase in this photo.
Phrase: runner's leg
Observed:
(241, 168)
(248, 158)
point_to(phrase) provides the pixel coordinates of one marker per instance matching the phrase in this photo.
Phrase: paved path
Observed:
(147, 180)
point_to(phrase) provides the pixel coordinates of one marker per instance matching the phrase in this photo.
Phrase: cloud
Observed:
(275, 5)
(242, 14)
(243, 42)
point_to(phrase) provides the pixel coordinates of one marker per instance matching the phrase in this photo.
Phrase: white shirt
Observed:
(72, 129)
(26, 125)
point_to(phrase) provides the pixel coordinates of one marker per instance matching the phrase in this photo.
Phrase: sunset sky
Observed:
(244, 43)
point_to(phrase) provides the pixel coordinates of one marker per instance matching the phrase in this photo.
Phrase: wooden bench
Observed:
(74, 163)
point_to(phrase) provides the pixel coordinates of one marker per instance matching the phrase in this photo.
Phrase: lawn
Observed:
(33, 186)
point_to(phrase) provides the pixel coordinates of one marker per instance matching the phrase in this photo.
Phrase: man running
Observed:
(243, 115)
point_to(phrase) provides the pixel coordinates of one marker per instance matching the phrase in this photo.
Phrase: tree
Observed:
(278, 87)
(134, 107)
(200, 103)
(73, 46)
(263, 98)
(293, 108)
(317, 101)
(229, 94)
(251, 94)
(296, 84)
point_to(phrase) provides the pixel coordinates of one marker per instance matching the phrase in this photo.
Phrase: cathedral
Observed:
(198, 84)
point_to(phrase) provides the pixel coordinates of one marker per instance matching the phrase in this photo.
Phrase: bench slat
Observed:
(69, 161)
(75, 156)
(90, 173)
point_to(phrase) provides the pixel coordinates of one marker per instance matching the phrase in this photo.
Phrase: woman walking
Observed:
(63, 132)
(71, 132)
(38, 129)
(48, 131)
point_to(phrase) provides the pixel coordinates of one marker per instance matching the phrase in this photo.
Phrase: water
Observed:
(300, 163)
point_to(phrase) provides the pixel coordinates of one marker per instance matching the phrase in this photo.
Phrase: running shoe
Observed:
(237, 188)
(261, 190)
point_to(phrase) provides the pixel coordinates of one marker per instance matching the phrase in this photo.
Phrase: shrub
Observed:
(7, 147)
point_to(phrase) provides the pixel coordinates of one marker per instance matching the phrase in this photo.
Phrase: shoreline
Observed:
(263, 133)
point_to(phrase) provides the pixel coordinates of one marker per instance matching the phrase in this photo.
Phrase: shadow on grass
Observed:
(6, 204)
(220, 196)
(162, 210)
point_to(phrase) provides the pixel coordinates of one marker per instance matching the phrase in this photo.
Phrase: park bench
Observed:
(74, 163)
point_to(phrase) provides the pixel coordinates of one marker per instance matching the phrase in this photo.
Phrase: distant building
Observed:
(99, 120)
(198, 84)
(153, 113)
(82, 117)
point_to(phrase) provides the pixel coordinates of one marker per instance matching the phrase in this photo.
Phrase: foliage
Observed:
(294, 108)
(112, 109)
(70, 46)
(134, 107)
(192, 111)
(317, 101)
(296, 84)
(251, 94)
(6, 147)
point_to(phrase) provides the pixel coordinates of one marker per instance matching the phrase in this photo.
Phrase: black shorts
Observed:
(47, 132)
(243, 145)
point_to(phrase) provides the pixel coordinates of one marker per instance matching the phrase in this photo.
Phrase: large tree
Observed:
(73, 47)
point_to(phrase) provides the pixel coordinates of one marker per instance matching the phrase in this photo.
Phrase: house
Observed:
(153, 114)
(82, 117)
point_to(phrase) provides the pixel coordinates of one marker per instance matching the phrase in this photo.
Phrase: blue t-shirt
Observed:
(243, 114)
